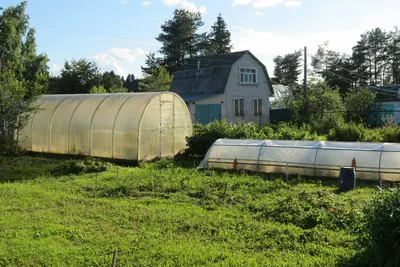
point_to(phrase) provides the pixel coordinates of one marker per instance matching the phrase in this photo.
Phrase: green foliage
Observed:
(334, 67)
(131, 83)
(152, 62)
(287, 69)
(322, 107)
(384, 227)
(111, 80)
(78, 77)
(347, 132)
(359, 105)
(98, 90)
(165, 215)
(23, 75)
(220, 37)
(205, 135)
(158, 80)
(179, 38)
(88, 165)
(359, 133)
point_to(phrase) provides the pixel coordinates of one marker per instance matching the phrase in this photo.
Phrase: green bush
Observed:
(205, 135)
(384, 228)
(351, 132)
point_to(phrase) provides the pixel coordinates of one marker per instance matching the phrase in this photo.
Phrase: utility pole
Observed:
(305, 84)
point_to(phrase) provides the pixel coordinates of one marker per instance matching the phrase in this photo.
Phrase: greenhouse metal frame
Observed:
(374, 161)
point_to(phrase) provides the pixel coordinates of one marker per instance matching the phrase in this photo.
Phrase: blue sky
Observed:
(117, 34)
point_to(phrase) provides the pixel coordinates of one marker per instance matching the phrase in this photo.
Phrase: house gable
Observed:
(236, 89)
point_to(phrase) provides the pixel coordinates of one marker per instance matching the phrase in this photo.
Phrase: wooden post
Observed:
(114, 261)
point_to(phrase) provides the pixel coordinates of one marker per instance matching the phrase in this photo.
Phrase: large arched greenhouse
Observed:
(374, 161)
(131, 126)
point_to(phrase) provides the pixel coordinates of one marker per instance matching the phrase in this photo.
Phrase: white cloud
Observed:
(267, 45)
(124, 2)
(292, 3)
(241, 2)
(258, 13)
(147, 3)
(121, 60)
(56, 69)
(267, 3)
(185, 4)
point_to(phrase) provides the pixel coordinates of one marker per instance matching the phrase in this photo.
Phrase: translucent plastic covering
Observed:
(132, 126)
(374, 161)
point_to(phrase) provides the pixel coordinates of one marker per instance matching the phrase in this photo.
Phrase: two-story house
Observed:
(234, 87)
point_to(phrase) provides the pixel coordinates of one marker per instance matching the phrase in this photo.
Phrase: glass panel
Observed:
(254, 78)
(236, 107)
(260, 106)
(242, 77)
(242, 106)
(253, 71)
(246, 78)
(255, 106)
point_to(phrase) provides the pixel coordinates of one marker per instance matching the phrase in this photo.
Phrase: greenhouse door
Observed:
(167, 129)
(207, 113)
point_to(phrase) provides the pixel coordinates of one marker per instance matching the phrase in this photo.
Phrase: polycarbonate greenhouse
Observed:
(374, 161)
(131, 126)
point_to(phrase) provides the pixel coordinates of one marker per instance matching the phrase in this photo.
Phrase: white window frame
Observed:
(257, 109)
(234, 106)
(249, 74)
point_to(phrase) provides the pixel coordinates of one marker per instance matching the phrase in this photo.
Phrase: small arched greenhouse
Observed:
(130, 126)
(374, 161)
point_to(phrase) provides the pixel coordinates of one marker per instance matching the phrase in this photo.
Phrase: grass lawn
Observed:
(163, 215)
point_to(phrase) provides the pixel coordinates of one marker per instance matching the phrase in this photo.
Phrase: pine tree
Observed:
(220, 37)
(179, 38)
(151, 62)
(394, 55)
(287, 69)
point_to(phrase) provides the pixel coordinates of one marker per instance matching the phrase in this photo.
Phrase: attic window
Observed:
(248, 75)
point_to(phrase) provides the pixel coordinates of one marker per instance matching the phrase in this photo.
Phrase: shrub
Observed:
(347, 132)
(204, 136)
(384, 228)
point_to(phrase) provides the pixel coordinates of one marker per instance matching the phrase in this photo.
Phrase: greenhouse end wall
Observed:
(375, 161)
(131, 126)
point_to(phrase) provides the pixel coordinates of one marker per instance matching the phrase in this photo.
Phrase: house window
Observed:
(239, 107)
(257, 106)
(248, 75)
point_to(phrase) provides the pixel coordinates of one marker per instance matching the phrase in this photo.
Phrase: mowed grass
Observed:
(163, 215)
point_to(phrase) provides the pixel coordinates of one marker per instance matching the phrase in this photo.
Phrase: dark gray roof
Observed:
(390, 90)
(212, 76)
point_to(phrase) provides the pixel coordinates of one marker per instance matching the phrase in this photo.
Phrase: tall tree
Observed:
(394, 54)
(158, 80)
(179, 38)
(152, 62)
(370, 55)
(23, 74)
(335, 68)
(287, 69)
(78, 77)
(131, 83)
(110, 80)
(35, 70)
(220, 37)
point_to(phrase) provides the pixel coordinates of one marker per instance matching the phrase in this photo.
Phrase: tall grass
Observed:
(161, 214)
